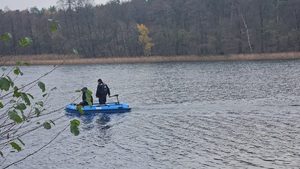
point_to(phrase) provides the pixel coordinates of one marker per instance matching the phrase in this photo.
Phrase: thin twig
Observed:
(37, 149)
(26, 132)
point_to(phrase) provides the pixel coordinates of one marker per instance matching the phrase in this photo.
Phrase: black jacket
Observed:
(84, 98)
(102, 90)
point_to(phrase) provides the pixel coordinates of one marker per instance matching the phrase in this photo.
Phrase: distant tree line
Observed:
(176, 27)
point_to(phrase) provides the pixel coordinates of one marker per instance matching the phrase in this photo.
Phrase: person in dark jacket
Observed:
(102, 91)
(84, 100)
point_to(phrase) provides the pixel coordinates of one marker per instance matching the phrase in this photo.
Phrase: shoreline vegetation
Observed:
(74, 59)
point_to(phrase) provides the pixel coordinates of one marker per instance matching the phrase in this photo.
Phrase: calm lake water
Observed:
(184, 115)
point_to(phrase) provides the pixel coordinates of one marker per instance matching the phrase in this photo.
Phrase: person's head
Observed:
(100, 81)
(84, 89)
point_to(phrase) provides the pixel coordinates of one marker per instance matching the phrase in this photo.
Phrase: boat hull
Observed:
(113, 107)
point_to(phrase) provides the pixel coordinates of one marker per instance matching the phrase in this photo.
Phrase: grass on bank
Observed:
(74, 59)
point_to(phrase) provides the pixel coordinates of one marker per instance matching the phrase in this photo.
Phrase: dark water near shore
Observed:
(185, 115)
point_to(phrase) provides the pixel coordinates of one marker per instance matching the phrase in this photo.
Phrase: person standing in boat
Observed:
(84, 97)
(102, 91)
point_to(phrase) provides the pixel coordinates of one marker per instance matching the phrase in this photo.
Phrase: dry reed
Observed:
(73, 59)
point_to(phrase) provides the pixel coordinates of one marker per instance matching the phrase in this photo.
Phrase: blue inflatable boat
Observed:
(110, 107)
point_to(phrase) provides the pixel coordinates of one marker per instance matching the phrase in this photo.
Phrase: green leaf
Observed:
(15, 146)
(1, 105)
(75, 122)
(12, 101)
(11, 81)
(25, 41)
(79, 108)
(77, 91)
(75, 51)
(21, 106)
(37, 111)
(42, 86)
(13, 115)
(89, 92)
(47, 125)
(1, 153)
(16, 93)
(23, 116)
(53, 28)
(26, 64)
(44, 95)
(88, 95)
(6, 37)
(17, 71)
(40, 103)
(25, 98)
(74, 130)
(28, 94)
(23, 63)
(21, 141)
(74, 127)
(4, 84)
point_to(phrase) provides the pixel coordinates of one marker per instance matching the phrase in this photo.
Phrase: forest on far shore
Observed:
(176, 28)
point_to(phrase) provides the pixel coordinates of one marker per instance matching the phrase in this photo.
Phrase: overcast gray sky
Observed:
(24, 4)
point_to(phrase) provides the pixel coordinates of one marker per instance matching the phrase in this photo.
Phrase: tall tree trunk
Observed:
(277, 26)
(298, 29)
(261, 9)
(247, 31)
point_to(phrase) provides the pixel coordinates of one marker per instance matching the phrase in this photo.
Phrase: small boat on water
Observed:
(110, 107)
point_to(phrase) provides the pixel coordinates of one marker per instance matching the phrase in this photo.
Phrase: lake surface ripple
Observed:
(185, 115)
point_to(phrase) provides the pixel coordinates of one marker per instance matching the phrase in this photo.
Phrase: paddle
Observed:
(116, 95)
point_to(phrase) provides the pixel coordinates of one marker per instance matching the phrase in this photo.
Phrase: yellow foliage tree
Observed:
(144, 39)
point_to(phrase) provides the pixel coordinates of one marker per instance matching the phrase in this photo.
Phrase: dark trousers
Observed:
(84, 103)
(102, 100)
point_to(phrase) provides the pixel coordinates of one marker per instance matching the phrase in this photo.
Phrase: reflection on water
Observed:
(91, 120)
(185, 115)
